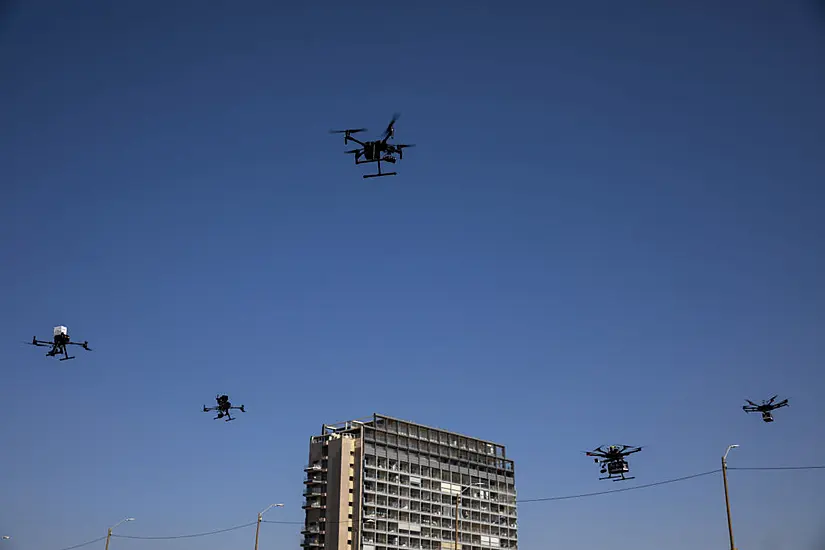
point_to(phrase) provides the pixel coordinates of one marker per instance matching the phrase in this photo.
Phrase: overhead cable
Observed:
(544, 499)
(623, 489)
(188, 536)
(777, 468)
(87, 543)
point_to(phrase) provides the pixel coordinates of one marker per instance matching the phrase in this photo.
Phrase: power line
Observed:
(623, 489)
(187, 536)
(545, 499)
(778, 468)
(84, 544)
(288, 522)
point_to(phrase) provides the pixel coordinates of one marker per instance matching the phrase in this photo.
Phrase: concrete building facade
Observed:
(382, 483)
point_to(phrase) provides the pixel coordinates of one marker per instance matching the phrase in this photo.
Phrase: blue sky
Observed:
(610, 232)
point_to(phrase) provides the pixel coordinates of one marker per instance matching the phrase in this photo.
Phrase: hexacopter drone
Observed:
(59, 343)
(613, 460)
(223, 408)
(375, 151)
(765, 408)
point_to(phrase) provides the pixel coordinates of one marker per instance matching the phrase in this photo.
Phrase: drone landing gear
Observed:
(379, 174)
(614, 478)
(66, 358)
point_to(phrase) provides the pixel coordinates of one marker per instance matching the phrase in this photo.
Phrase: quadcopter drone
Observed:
(765, 408)
(59, 343)
(223, 408)
(613, 461)
(375, 151)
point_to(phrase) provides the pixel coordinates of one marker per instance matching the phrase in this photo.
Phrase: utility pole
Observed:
(109, 533)
(260, 519)
(727, 499)
(457, 504)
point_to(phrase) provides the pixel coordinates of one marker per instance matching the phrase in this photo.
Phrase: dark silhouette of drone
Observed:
(59, 343)
(375, 151)
(765, 408)
(613, 461)
(223, 408)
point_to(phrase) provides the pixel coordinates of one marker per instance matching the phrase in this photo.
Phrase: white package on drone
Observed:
(60, 331)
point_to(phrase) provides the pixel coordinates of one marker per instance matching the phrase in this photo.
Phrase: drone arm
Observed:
(84, 345)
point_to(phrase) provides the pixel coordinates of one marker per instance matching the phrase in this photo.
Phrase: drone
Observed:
(59, 343)
(613, 461)
(765, 408)
(375, 151)
(223, 408)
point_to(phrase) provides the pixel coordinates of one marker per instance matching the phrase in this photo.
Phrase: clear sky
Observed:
(610, 232)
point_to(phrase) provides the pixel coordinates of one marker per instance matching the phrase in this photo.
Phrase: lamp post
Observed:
(727, 500)
(109, 534)
(457, 503)
(260, 519)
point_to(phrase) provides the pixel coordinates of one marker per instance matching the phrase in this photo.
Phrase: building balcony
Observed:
(315, 492)
(314, 480)
(313, 529)
(314, 505)
(314, 468)
(313, 543)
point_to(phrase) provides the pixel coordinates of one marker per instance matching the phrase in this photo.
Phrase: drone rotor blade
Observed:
(349, 131)
(751, 403)
(388, 131)
(770, 401)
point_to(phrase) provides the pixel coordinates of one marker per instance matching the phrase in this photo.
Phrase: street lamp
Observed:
(109, 534)
(457, 503)
(727, 500)
(260, 518)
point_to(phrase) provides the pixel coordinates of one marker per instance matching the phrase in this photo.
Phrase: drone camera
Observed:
(60, 331)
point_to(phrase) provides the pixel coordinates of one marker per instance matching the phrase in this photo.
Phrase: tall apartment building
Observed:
(381, 483)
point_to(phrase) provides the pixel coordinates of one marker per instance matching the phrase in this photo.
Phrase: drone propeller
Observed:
(771, 400)
(400, 148)
(751, 403)
(349, 131)
(390, 130)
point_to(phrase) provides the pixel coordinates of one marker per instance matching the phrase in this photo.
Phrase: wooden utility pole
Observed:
(457, 503)
(727, 499)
